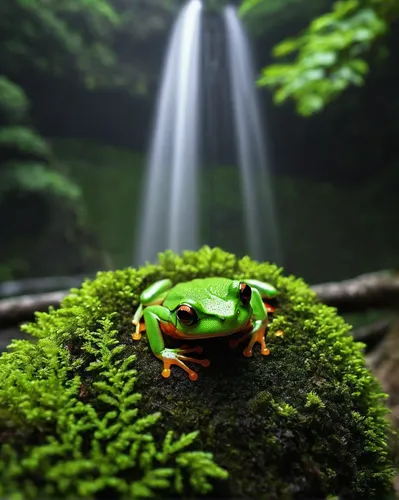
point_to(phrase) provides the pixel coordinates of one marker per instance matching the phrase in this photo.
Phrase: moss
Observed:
(86, 412)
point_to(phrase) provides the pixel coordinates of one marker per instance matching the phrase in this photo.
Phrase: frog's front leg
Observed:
(260, 321)
(153, 317)
(258, 331)
(152, 295)
(260, 291)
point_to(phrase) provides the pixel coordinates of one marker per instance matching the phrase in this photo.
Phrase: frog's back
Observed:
(199, 290)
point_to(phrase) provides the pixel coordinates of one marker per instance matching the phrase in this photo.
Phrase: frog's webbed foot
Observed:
(177, 357)
(257, 336)
(140, 327)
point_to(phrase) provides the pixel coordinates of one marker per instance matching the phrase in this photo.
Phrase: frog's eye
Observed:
(187, 315)
(245, 293)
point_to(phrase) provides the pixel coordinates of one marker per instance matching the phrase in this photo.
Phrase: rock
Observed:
(306, 421)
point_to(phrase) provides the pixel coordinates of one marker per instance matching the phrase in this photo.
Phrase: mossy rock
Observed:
(85, 412)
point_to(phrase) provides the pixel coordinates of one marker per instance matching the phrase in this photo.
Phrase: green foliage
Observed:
(38, 177)
(90, 42)
(26, 160)
(80, 407)
(329, 56)
(23, 140)
(88, 448)
(13, 101)
(264, 17)
(55, 36)
(34, 192)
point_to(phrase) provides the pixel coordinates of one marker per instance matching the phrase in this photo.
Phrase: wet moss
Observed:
(307, 421)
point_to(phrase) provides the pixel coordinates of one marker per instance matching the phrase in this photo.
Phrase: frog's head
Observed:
(222, 307)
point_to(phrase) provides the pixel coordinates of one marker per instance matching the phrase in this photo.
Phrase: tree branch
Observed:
(40, 285)
(379, 290)
(18, 309)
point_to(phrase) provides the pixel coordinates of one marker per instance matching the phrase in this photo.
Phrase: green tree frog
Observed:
(200, 309)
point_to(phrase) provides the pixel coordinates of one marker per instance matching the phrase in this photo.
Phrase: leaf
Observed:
(287, 47)
(33, 176)
(328, 57)
(23, 140)
(14, 103)
(320, 59)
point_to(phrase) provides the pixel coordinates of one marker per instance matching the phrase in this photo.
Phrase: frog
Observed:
(200, 309)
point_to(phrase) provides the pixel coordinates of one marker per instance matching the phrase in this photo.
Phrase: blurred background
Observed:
(78, 88)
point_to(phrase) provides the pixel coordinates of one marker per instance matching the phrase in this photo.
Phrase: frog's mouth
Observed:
(172, 331)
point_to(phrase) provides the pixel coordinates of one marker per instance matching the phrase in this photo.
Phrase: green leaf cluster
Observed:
(329, 56)
(26, 162)
(81, 442)
(29, 174)
(25, 140)
(53, 36)
(80, 408)
(14, 104)
(37, 177)
(271, 16)
(93, 43)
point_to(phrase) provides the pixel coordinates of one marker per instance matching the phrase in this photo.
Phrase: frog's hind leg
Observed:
(139, 328)
(151, 296)
(258, 336)
(137, 323)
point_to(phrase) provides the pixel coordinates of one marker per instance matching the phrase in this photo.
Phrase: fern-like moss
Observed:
(35, 176)
(23, 141)
(85, 412)
(14, 103)
(75, 448)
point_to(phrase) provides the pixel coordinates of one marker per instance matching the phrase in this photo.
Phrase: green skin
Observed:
(220, 311)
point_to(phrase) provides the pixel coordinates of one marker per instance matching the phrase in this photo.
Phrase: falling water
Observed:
(169, 205)
(262, 233)
(170, 199)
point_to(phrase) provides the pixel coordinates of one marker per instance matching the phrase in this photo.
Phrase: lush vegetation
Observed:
(30, 183)
(25, 156)
(331, 54)
(80, 408)
(82, 40)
